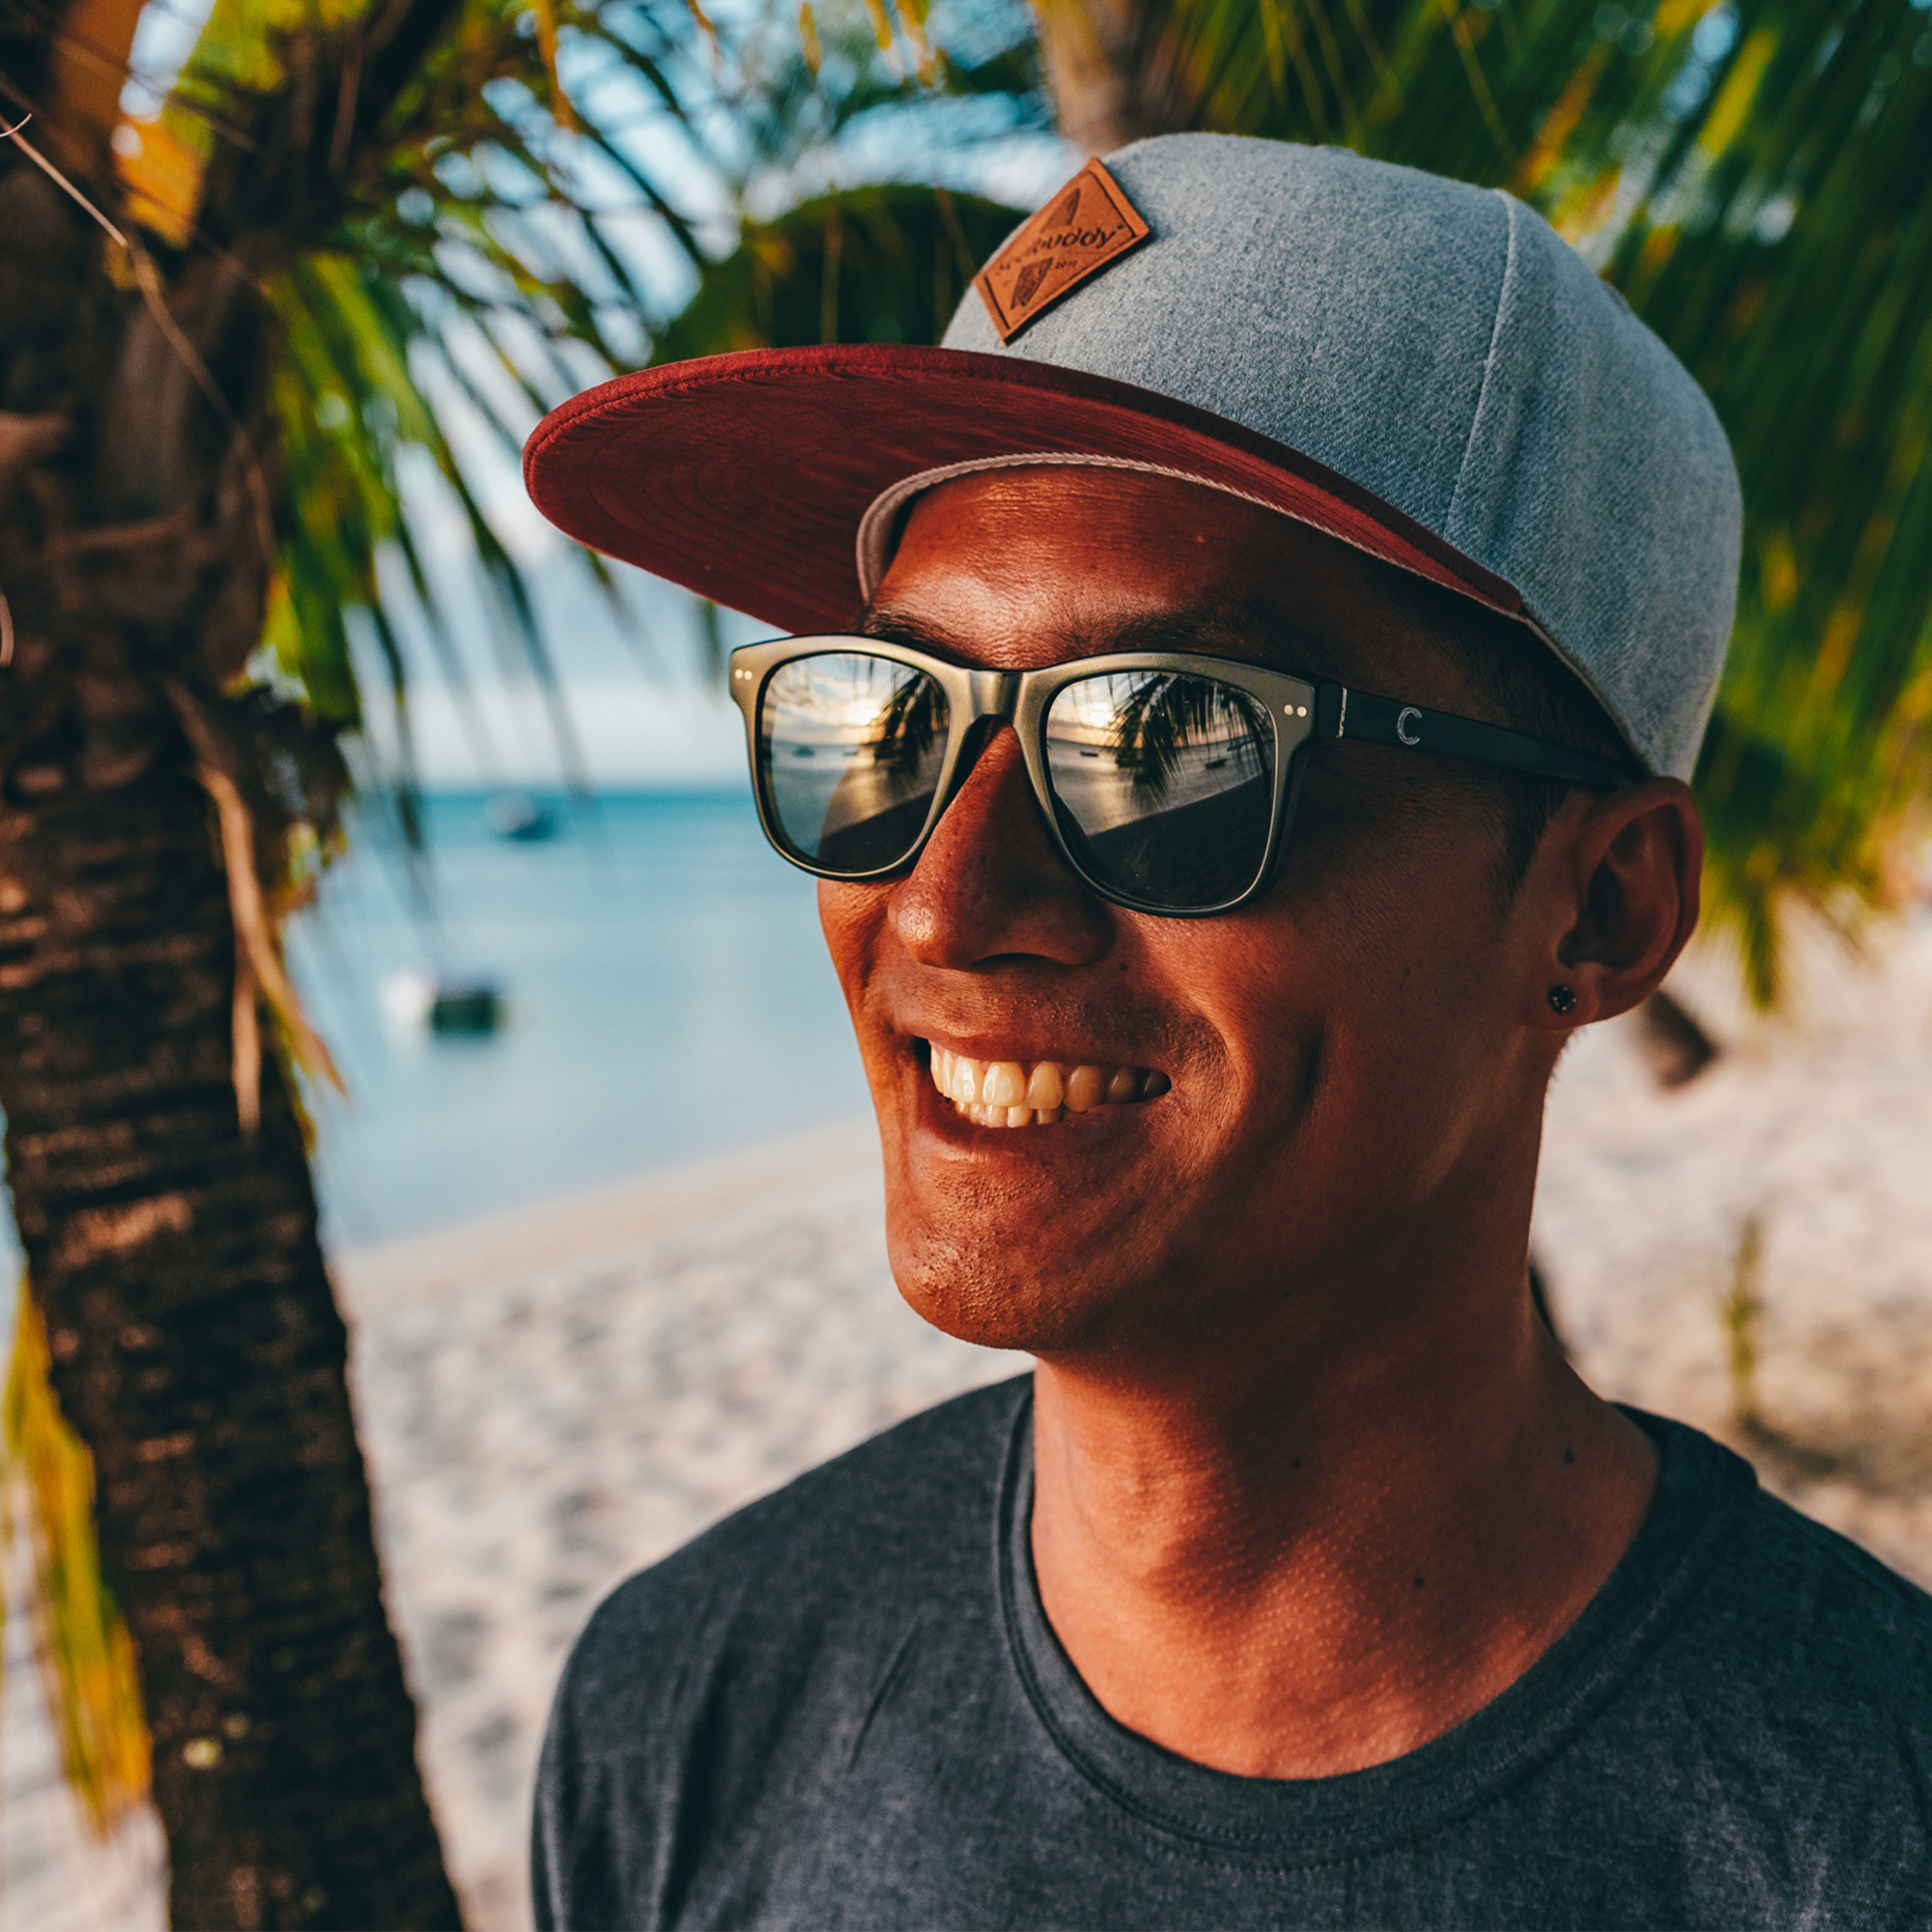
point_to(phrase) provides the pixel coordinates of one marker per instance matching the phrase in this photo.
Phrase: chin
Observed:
(978, 1296)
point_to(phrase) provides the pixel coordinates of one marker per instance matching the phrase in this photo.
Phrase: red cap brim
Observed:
(745, 477)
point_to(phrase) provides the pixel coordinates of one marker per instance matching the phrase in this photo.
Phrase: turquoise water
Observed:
(668, 997)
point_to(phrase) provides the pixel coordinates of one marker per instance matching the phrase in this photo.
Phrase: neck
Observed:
(1303, 1559)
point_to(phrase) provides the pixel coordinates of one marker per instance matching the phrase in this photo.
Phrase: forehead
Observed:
(1017, 568)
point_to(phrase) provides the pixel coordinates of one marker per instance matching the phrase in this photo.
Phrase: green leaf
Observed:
(884, 264)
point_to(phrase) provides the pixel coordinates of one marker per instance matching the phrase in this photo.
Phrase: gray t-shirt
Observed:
(844, 1707)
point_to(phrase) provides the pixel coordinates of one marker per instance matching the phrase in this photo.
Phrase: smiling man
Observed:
(1287, 611)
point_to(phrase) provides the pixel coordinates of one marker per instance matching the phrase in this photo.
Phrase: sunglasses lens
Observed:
(850, 752)
(1165, 784)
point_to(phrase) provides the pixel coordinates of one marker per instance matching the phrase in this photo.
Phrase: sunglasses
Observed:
(1167, 780)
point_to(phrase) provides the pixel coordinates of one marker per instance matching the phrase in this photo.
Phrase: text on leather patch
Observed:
(1089, 225)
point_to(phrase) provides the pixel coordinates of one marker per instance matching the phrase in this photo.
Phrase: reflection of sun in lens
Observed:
(837, 697)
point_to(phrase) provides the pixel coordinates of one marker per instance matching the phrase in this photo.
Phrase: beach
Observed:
(553, 1397)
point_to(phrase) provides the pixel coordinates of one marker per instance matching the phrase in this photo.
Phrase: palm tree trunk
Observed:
(198, 1351)
(1116, 70)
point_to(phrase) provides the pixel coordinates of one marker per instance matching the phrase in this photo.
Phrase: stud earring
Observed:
(1561, 1000)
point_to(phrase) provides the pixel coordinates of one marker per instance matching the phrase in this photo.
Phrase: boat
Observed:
(442, 1003)
(515, 815)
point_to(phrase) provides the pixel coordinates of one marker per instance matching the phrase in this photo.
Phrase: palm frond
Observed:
(462, 206)
(495, 216)
(46, 1489)
(881, 264)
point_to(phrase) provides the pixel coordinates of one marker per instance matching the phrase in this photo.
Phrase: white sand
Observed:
(552, 1401)
(1822, 1129)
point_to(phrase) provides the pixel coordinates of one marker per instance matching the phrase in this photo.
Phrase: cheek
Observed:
(852, 918)
(1368, 1009)
(1394, 884)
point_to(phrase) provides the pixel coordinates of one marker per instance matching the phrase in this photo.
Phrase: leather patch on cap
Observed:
(1088, 226)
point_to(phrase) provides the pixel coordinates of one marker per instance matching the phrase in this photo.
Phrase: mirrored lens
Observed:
(850, 748)
(1165, 785)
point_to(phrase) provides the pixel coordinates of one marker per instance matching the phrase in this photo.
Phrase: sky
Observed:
(644, 715)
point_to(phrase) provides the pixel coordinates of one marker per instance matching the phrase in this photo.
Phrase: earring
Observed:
(1561, 1000)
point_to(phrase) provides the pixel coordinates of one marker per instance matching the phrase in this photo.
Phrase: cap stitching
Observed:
(1512, 211)
(1503, 286)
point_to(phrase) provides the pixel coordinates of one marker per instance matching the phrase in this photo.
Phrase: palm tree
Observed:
(155, 1158)
(215, 329)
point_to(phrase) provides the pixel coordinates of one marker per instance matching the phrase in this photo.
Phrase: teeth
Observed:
(1006, 1084)
(1086, 1089)
(1009, 1094)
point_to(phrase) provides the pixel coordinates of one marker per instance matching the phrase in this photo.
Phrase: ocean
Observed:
(667, 995)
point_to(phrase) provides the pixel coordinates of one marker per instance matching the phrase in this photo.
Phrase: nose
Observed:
(989, 884)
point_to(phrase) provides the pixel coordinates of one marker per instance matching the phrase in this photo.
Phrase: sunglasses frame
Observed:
(1304, 711)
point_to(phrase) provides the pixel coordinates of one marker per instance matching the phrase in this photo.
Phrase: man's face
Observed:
(1349, 1076)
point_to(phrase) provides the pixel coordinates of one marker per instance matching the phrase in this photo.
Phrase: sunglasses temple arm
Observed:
(1341, 713)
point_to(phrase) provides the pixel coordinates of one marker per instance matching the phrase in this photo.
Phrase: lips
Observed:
(1037, 1093)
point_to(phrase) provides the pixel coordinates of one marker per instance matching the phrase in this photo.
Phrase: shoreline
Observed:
(810, 1164)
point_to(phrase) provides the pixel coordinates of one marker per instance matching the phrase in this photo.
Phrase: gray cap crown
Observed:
(1441, 346)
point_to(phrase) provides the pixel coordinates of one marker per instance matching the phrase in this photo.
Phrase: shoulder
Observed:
(1799, 1677)
(1762, 1752)
(1823, 1621)
(712, 1691)
(888, 1523)
(1807, 1600)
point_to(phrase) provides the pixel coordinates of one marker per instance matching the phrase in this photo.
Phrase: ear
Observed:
(1618, 898)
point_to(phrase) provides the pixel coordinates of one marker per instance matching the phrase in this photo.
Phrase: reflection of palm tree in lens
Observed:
(907, 725)
(1170, 713)
(894, 747)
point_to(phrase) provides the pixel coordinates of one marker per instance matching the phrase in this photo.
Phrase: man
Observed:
(1292, 602)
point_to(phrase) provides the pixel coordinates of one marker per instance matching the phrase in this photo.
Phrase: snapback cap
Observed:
(1422, 369)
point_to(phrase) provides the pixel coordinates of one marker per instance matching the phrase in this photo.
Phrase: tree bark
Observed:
(195, 1341)
(198, 1351)
(1116, 71)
